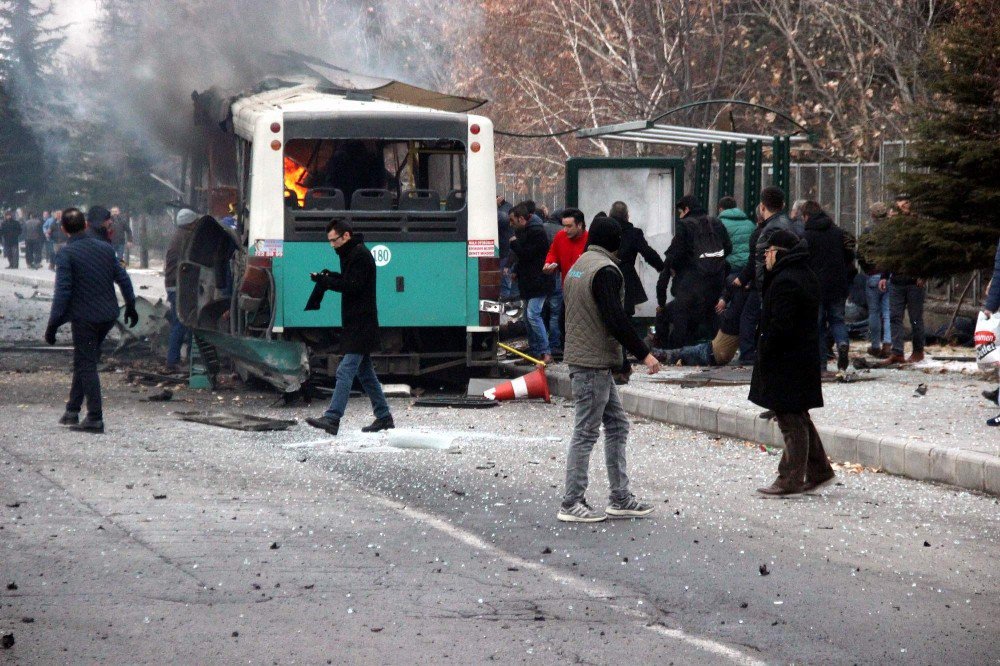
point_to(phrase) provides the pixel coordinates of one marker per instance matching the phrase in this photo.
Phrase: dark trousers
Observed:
(12, 251)
(907, 297)
(749, 319)
(33, 253)
(87, 340)
(692, 312)
(804, 458)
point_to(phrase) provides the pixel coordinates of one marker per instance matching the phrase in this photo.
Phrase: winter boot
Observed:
(842, 359)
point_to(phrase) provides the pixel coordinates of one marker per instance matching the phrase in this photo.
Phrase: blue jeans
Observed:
(555, 302)
(179, 333)
(879, 329)
(360, 366)
(597, 402)
(831, 314)
(508, 290)
(700, 354)
(538, 336)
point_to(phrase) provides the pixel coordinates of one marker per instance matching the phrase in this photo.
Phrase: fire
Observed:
(294, 174)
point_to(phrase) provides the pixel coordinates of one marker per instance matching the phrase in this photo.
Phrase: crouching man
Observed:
(596, 329)
(786, 377)
(359, 322)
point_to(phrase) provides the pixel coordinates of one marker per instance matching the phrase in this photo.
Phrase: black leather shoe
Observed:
(380, 424)
(70, 418)
(325, 423)
(993, 396)
(93, 426)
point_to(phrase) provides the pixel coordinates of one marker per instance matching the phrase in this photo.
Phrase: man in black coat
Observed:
(633, 244)
(10, 231)
(831, 256)
(530, 244)
(786, 377)
(86, 274)
(696, 262)
(359, 335)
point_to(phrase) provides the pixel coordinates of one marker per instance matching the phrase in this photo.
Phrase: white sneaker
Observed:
(580, 513)
(630, 508)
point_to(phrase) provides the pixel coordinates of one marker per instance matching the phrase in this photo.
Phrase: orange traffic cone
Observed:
(532, 385)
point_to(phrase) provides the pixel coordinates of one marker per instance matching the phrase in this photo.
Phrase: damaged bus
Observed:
(417, 181)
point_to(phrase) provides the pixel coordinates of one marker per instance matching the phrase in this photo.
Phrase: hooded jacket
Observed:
(530, 245)
(829, 257)
(786, 377)
(740, 228)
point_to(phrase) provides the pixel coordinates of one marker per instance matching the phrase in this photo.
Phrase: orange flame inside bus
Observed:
(294, 174)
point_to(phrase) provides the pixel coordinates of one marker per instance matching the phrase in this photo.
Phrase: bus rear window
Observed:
(375, 174)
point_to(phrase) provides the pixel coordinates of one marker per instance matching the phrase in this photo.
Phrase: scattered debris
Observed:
(744, 605)
(274, 545)
(162, 396)
(927, 544)
(235, 634)
(458, 402)
(7, 642)
(11, 586)
(13, 505)
(460, 493)
(159, 497)
(28, 620)
(234, 421)
(763, 570)
(375, 630)
(546, 551)
(921, 390)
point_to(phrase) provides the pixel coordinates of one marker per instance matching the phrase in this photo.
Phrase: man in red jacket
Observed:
(568, 244)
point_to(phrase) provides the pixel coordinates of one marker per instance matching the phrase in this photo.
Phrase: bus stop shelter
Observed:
(658, 132)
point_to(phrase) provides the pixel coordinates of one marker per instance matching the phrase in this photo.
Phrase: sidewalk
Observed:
(883, 423)
(147, 282)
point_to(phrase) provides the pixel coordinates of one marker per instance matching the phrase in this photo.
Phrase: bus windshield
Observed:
(375, 174)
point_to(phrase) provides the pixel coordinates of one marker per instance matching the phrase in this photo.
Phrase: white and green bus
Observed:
(417, 182)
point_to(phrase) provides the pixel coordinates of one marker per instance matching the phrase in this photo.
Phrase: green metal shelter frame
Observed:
(703, 140)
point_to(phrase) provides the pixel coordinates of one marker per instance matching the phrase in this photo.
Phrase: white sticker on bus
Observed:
(382, 255)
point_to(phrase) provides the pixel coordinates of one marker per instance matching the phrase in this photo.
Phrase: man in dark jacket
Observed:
(121, 234)
(633, 244)
(906, 293)
(34, 240)
(831, 256)
(508, 290)
(597, 330)
(359, 335)
(530, 245)
(786, 378)
(99, 223)
(179, 333)
(10, 232)
(696, 259)
(770, 219)
(86, 274)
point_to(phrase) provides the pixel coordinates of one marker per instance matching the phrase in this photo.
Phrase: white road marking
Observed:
(593, 590)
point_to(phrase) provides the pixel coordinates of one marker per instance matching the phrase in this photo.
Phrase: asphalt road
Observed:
(172, 541)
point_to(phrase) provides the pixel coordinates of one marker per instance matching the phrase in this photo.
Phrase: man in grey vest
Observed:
(596, 330)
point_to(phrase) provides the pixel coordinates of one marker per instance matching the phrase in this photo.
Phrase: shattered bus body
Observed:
(418, 182)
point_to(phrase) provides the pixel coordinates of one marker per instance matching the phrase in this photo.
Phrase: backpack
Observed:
(708, 254)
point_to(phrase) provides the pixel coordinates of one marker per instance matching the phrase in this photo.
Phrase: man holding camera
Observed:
(359, 328)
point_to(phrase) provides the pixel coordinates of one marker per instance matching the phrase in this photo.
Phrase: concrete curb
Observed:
(915, 460)
(31, 280)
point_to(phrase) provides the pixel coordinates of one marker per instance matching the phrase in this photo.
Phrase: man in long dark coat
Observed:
(786, 377)
(359, 328)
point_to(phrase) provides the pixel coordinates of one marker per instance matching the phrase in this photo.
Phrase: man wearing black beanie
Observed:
(786, 377)
(596, 330)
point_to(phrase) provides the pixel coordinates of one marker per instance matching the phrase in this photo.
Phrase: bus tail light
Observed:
(489, 288)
